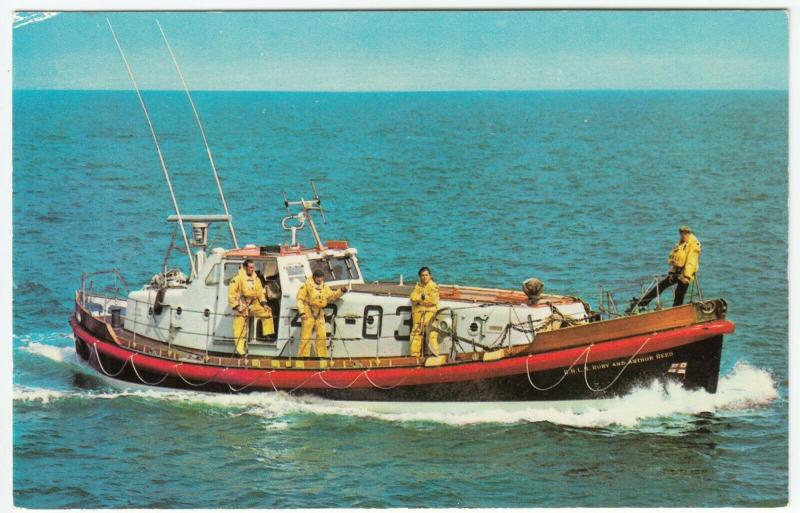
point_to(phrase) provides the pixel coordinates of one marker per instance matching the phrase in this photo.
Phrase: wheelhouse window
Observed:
(339, 268)
(213, 276)
(265, 269)
(231, 270)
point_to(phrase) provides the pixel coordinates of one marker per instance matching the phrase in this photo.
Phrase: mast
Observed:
(158, 148)
(202, 133)
(307, 206)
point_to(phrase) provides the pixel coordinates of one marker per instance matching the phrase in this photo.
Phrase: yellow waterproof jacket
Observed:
(686, 256)
(312, 298)
(431, 301)
(245, 290)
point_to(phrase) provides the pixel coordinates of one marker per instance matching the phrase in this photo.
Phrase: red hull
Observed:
(313, 380)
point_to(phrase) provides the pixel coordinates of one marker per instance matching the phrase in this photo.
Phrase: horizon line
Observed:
(411, 91)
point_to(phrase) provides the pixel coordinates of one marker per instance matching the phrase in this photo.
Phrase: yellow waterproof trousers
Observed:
(307, 328)
(420, 319)
(240, 325)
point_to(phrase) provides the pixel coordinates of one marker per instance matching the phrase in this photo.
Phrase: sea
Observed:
(584, 190)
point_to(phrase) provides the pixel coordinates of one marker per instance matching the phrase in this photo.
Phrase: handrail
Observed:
(115, 272)
(607, 305)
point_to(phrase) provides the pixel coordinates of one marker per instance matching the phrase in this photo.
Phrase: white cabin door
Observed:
(223, 322)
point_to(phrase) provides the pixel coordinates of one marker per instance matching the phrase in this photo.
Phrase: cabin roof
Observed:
(284, 249)
(461, 293)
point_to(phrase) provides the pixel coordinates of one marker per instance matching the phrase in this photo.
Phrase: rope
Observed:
(178, 371)
(133, 366)
(501, 337)
(516, 327)
(527, 370)
(291, 317)
(272, 383)
(334, 336)
(603, 389)
(100, 363)
(340, 388)
(304, 382)
(366, 375)
(237, 390)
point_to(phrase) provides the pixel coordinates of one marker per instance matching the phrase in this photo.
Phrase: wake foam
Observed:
(41, 395)
(55, 353)
(744, 388)
(22, 19)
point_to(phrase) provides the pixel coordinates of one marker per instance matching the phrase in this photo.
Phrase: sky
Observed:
(407, 50)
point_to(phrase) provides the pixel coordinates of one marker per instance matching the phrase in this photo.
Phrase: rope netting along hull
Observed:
(689, 356)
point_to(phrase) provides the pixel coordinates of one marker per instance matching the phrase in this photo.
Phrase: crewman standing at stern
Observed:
(684, 261)
(312, 298)
(424, 305)
(246, 297)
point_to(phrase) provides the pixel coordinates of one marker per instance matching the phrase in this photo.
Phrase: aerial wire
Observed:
(202, 133)
(158, 147)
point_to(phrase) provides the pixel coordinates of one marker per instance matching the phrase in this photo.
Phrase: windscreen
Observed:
(340, 268)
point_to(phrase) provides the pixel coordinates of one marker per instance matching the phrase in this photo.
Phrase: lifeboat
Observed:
(494, 344)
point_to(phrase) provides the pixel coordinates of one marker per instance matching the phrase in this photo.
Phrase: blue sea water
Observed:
(581, 189)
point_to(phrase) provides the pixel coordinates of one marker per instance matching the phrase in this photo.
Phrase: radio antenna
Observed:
(318, 200)
(202, 133)
(158, 147)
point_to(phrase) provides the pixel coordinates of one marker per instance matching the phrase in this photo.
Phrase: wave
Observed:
(242, 401)
(55, 353)
(26, 18)
(742, 389)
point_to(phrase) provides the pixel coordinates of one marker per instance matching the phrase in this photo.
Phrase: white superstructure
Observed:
(371, 320)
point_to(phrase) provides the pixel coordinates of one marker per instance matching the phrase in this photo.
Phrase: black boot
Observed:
(632, 305)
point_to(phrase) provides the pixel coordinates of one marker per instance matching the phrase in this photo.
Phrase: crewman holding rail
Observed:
(424, 305)
(246, 297)
(312, 298)
(684, 261)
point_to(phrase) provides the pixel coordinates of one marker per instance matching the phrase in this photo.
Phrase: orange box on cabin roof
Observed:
(336, 244)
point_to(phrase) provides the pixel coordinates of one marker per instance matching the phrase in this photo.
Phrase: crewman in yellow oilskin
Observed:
(246, 297)
(312, 298)
(684, 261)
(424, 305)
